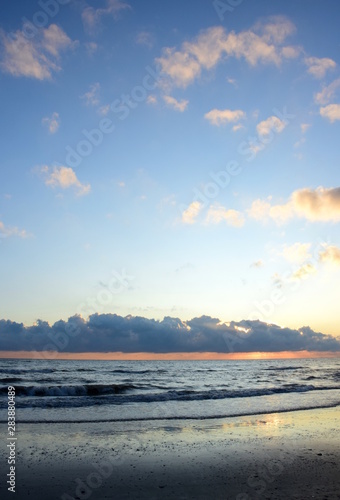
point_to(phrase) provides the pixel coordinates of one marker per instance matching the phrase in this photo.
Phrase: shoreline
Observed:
(293, 454)
(172, 418)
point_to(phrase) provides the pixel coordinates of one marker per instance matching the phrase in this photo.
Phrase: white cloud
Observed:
(221, 116)
(145, 38)
(331, 254)
(265, 127)
(8, 231)
(290, 52)
(304, 127)
(327, 93)
(260, 45)
(232, 81)
(91, 17)
(190, 214)
(34, 58)
(177, 105)
(297, 253)
(321, 204)
(262, 210)
(276, 29)
(318, 67)
(52, 123)
(304, 271)
(152, 99)
(64, 178)
(237, 127)
(331, 112)
(91, 48)
(103, 110)
(217, 214)
(92, 96)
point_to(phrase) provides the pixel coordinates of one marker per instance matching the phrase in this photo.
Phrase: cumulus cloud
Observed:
(274, 123)
(113, 333)
(262, 44)
(262, 210)
(64, 178)
(321, 204)
(190, 214)
(52, 123)
(331, 112)
(217, 214)
(330, 253)
(318, 67)
(173, 103)
(36, 57)
(327, 93)
(8, 231)
(92, 17)
(221, 116)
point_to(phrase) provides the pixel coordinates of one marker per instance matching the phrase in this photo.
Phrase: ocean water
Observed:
(82, 391)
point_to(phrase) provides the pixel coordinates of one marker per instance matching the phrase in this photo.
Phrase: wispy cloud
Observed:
(52, 123)
(91, 97)
(297, 253)
(257, 264)
(177, 105)
(304, 127)
(8, 231)
(221, 116)
(34, 58)
(91, 48)
(151, 99)
(145, 38)
(326, 95)
(92, 17)
(304, 271)
(64, 178)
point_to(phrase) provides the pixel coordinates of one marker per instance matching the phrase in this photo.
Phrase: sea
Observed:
(109, 391)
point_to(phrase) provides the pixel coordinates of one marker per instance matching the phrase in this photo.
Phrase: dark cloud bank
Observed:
(110, 332)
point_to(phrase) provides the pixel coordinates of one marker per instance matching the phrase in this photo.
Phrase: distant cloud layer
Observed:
(113, 333)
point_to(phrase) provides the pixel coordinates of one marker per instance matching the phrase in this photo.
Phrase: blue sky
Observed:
(213, 187)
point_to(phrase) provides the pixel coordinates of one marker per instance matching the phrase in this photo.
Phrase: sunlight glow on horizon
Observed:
(179, 356)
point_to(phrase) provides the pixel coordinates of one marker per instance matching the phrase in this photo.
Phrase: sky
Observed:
(170, 164)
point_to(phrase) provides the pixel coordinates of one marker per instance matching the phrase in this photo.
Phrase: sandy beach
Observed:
(276, 456)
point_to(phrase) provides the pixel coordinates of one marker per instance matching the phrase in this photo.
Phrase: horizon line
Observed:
(171, 356)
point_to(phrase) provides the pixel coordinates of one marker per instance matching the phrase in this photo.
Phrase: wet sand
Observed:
(293, 455)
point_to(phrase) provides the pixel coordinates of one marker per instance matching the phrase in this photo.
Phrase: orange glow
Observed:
(123, 356)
